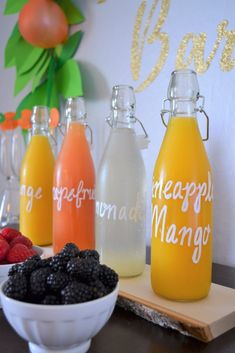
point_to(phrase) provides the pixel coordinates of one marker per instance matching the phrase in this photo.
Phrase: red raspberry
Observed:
(4, 248)
(9, 234)
(21, 239)
(19, 253)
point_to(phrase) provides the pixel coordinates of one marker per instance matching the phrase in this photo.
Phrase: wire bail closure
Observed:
(199, 109)
(62, 129)
(133, 120)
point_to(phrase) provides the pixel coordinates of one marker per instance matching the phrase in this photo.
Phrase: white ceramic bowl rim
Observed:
(58, 306)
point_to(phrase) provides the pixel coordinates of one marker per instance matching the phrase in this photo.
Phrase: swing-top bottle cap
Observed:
(123, 98)
(75, 108)
(183, 86)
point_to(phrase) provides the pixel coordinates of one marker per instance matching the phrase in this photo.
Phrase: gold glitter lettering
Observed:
(138, 43)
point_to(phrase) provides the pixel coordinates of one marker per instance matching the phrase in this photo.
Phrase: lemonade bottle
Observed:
(121, 191)
(181, 246)
(74, 183)
(36, 182)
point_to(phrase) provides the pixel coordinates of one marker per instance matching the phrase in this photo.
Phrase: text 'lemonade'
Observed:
(36, 182)
(182, 192)
(74, 184)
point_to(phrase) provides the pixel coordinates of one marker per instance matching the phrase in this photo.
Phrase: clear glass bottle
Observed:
(36, 179)
(181, 249)
(121, 191)
(74, 183)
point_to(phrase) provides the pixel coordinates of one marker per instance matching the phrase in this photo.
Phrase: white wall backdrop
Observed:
(105, 60)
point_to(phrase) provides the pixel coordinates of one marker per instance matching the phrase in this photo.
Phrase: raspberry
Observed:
(16, 287)
(19, 253)
(57, 281)
(76, 292)
(85, 254)
(21, 239)
(108, 277)
(9, 234)
(4, 248)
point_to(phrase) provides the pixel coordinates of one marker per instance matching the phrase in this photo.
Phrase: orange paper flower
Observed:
(9, 123)
(24, 121)
(55, 117)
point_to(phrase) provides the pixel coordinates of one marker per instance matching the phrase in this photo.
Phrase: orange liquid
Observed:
(181, 247)
(73, 192)
(36, 191)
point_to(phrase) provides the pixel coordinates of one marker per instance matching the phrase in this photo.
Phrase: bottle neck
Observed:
(40, 121)
(122, 119)
(183, 108)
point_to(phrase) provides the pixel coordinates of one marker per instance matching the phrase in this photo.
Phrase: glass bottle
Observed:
(74, 183)
(181, 249)
(121, 191)
(36, 179)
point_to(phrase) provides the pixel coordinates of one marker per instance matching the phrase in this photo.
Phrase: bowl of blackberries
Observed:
(58, 304)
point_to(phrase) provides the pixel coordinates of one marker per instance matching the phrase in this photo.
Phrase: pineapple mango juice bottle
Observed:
(181, 246)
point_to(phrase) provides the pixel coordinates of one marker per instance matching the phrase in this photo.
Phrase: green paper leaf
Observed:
(41, 72)
(2, 118)
(70, 47)
(73, 14)
(23, 79)
(14, 6)
(26, 56)
(38, 97)
(68, 79)
(10, 48)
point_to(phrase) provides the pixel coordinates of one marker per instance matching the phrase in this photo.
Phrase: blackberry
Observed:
(86, 254)
(51, 300)
(44, 262)
(108, 277)
(76, 292)
(16, 287)
(98, 289)
(35, 257)
(87, 270)
(57, 281)
(38, 282)
(73, 267)
(59, 262)
(14, 269)
(71, 250)
(28, 266)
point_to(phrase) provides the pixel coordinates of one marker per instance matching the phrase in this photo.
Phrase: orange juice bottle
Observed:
(181, 244)
(74, 184)
(36, 179)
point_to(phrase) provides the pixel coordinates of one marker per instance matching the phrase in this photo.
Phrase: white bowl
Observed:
(4, 269)
(58, 328)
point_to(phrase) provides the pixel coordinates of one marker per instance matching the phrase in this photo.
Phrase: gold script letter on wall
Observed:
(138, 41)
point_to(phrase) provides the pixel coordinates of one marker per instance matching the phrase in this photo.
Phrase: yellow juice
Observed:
(36, 182)
(181, 244)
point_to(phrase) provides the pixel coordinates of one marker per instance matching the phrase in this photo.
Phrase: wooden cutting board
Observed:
(205, 319)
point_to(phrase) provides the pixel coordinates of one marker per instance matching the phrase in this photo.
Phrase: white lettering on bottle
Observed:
(120, 213)
(78, 195)
(31, 194)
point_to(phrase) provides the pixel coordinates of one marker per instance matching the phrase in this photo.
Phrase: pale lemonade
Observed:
(182, 214)
(36, 191)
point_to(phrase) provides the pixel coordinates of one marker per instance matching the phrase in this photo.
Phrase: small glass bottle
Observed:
(181, 249)
(121, 191)
(74, 183)
(36, 180)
